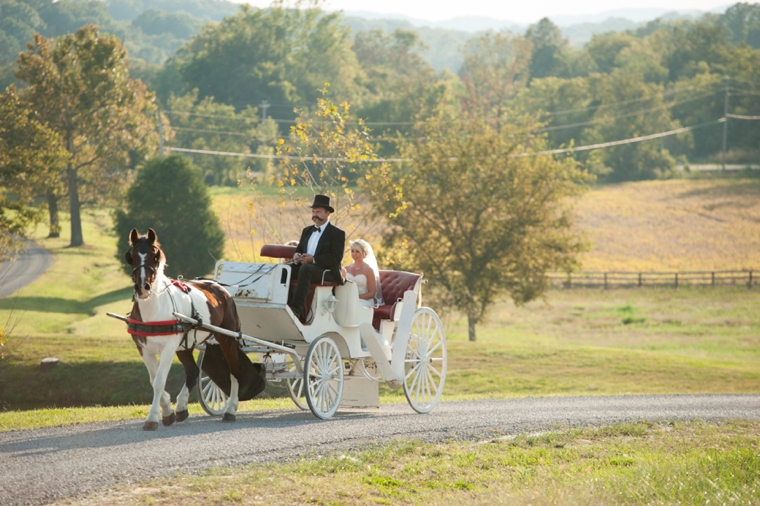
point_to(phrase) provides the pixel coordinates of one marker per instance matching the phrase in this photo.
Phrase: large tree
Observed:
(478, 210)
(30, 155)
(79, 86)
(283, 54)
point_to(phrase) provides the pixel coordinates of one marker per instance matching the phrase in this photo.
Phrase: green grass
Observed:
(629, 463)
(575, 342)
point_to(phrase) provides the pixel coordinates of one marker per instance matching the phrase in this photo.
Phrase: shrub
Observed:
(169, 197)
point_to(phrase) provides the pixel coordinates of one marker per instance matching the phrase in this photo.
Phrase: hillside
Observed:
(683, 224)
(673, 225)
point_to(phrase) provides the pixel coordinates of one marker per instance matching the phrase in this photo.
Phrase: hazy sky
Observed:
(518, 11)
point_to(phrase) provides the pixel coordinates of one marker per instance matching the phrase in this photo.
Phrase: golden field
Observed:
(675, 225)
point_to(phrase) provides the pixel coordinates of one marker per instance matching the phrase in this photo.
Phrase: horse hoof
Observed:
(228, 417)
(182, 415)
(150, 426)
(168, 420)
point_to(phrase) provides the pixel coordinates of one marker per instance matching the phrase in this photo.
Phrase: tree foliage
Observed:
(31, 155)
(170, 197)
(283, 55)
(79, 86)
(478, 211)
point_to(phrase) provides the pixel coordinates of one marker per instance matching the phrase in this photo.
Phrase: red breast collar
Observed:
(149, 329)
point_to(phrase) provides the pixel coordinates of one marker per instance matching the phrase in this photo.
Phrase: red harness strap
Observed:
(149, 329)
(182, 286)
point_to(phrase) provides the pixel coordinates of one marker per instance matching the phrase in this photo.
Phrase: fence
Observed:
(628, 279)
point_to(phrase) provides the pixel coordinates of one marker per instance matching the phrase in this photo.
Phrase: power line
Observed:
(284, 157)
(628, 115)
(629, 141)
(625, 102)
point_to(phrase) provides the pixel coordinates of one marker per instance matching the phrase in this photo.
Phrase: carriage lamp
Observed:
(329, 304)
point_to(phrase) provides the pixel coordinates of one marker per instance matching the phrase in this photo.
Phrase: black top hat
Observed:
(322, 201)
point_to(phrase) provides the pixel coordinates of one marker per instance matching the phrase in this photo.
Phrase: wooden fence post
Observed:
(749, 284)
(640, 280)
(713, 278)
(676, 280)
(605, 280)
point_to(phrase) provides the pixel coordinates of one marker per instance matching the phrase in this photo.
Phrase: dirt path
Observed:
(29, 266)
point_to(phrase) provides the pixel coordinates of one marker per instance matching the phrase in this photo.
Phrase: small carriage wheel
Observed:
(425, 362)
(296, 390)
(212, 398)
(323, 377)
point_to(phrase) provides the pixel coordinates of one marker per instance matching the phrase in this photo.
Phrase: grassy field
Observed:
(574, 342)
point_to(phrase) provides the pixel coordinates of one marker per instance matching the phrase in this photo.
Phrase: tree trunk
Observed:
(77, 239)
(471, 321)
(55, 224)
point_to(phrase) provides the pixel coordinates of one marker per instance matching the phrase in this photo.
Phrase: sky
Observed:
(516, 11)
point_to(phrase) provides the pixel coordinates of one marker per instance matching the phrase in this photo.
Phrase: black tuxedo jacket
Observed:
(330, 248)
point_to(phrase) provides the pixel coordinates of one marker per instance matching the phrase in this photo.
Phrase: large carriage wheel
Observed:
(212, 398)
(297, 391)
(425, 362)
(323, 377)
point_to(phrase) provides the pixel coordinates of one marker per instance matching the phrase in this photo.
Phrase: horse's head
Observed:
(146, 259)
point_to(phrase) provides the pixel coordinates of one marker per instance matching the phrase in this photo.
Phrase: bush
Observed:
(169, 197)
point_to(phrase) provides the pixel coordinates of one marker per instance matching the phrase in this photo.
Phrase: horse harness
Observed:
(170, 327)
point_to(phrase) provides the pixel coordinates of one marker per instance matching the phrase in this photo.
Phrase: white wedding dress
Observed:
(361, 284)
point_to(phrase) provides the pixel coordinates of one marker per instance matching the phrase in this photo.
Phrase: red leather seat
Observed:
(278, 251)
(393, 284)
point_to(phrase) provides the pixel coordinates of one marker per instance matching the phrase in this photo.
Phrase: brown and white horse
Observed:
(157, 332)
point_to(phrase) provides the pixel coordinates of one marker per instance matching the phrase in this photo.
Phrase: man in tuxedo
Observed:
(320, 249)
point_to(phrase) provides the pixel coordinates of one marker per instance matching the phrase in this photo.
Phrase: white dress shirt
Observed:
(311, 246)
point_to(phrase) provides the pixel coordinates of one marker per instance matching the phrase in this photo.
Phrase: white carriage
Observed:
(343, 349)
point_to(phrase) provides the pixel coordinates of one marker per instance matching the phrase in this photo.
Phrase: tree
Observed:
(197, 123)
(494, 70)
(478, 210)
(547, 58)
(283, 55)
(170, 197)
(629, 107)
(30, 155)
(79, 86)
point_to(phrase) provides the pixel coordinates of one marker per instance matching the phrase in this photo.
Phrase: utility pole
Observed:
(160, 134)
(725, 127)
(264, 106)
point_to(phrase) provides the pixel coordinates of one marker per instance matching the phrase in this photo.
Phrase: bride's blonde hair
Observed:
(362, 246)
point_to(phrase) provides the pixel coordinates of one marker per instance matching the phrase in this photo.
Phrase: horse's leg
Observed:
(161, 399)
(230, 351)
(191, 379)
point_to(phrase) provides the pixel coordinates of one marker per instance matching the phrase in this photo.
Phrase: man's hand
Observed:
(306, 259)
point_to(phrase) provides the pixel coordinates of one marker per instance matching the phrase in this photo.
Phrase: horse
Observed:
(157, 332)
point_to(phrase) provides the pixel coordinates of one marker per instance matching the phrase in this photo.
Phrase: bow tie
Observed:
(316, 229)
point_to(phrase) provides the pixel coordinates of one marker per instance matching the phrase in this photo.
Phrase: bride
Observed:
(364, 272)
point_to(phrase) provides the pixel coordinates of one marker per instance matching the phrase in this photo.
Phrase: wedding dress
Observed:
(361, 284)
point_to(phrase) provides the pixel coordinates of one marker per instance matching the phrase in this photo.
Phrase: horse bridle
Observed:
(148, 280)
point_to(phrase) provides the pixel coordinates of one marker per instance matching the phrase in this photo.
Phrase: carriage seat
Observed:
(278, 251)
(393, 284)
(284, 252)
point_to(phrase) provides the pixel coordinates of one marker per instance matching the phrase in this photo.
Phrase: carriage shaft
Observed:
(213, 328)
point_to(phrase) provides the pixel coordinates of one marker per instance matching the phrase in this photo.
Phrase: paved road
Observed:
(29, 266)
(40, 466)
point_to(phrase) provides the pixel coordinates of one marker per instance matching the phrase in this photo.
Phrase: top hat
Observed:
(322, 201)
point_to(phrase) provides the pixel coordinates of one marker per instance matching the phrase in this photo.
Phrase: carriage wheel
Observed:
(425, 362)
(213, 400)
(297, 391)
(323, 377)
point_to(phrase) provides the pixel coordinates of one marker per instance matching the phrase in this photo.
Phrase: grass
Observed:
(681, 224)
(629, 463)
(576, 342)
